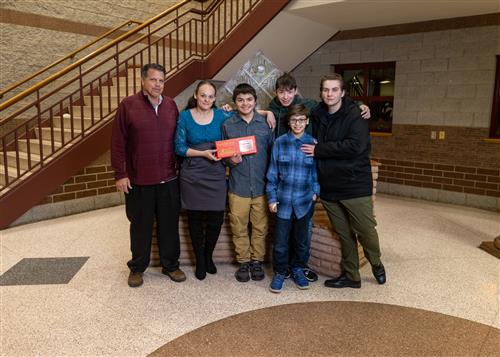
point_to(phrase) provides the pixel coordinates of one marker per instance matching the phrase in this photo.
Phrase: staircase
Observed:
(63, 123)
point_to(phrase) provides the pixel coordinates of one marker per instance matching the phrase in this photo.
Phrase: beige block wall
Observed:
(444, 82)
(25, 49)
(107, 13)
(442, 78)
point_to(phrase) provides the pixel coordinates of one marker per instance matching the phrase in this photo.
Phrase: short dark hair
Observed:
(147, 67)
(297, 109)
(286, 81)
(332, 77)
(244, 88)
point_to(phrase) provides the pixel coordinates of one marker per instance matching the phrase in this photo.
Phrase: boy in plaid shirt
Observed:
(292, 189)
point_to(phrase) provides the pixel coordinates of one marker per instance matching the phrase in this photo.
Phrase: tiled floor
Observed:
(429, 250)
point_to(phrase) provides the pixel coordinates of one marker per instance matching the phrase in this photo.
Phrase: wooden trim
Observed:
(15, 17)
(491, 140)
(495, 111)
(379, 133)
(415, 27)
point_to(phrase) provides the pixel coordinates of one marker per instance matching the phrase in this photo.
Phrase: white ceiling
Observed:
(357, 14)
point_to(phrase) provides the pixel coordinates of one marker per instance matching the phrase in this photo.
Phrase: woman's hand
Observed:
(211, 155)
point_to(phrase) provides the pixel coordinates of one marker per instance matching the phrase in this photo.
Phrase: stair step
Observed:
(87, 112)
(112, 93)
(35, 146)
(58, 134)
(23, 159)
(124, 91)
(123, 82)
(104, 101)
(87, 122)
(11, 171)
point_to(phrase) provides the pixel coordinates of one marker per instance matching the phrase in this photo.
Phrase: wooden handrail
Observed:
(97, 52)
(207, 10)
(69, 55)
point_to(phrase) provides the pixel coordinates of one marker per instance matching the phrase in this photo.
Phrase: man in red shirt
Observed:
(142, 155)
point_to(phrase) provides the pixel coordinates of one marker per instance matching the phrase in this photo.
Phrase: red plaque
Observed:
(245, 145)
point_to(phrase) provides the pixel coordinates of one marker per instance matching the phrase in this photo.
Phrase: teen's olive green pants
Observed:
(351, 219)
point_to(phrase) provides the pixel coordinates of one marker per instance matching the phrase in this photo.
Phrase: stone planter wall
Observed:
(326, 252)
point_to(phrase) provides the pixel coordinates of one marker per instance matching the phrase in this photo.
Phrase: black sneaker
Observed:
(288, 273)
(310, 275)
(256, 270)
(242, 274)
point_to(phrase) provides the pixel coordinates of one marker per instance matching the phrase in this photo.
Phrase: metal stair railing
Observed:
(53, 114)
(11, 88)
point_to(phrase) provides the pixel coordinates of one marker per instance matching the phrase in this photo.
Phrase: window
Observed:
(495, 111)
(372, 84)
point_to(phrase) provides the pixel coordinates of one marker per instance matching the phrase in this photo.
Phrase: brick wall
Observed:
(326, 254)
(444, 82)
(464, 162)
(90, 181)
(91, 188)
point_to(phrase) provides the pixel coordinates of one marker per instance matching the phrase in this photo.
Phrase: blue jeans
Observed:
(300, 242)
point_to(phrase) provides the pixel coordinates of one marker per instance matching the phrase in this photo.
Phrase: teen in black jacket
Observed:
(342, 154)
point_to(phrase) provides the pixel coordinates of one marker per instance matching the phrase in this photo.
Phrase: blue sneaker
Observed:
(277, 283)
(299, 278)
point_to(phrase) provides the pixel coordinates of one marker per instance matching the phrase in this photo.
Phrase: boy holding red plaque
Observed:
(247, 187)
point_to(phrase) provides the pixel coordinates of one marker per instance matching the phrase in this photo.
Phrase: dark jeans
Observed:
(291, 252)
(144, 204)
(299, 241)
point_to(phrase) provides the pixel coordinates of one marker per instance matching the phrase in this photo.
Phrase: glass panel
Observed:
(381, 116)
(381, 82)
(353, 82)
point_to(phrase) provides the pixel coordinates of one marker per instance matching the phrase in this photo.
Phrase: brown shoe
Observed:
(135, 279)
(176, 275)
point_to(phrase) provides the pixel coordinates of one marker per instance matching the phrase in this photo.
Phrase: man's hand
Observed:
(273, 207)
(123, 184)
(365, 111)
(236, 159)
(308, 149)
